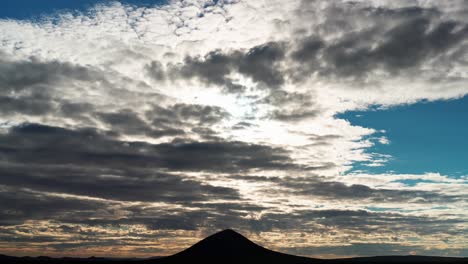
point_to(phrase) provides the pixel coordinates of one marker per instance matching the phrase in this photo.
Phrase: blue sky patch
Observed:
(33, 9)
(424, 137)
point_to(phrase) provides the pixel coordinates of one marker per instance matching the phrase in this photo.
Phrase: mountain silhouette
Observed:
(228, 246)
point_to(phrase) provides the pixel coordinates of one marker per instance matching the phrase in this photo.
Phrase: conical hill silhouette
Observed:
(228, 246)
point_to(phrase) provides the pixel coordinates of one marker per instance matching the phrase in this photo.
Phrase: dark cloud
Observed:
(72, 215)
(214, 68)
(75, 110)
(315, 186)
(29, 105)
(405, 45)
(255, 178)
(223, 156)
(19, 205)
(260, 63)
(179, 119)
(291, 106)
(397, 41)
(118, 184)
(393, 40)
(88, 162)
(206, 133)
(375, 249)
(358, 222)
(17, 76)
(89, 147)
(30, 86)
(127, 122)
(294, 115)
(308, 49)
(243, 125)
(171, 120)
(191, 113)
(209, 216)
(323, 140)
(284, 98)
(203, 114)
(156, 71)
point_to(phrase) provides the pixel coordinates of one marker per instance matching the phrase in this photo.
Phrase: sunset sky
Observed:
(317, 128)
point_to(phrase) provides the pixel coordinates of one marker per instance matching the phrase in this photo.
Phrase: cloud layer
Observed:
(137, 130)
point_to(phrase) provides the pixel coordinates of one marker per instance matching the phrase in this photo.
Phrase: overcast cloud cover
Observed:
(135, 131)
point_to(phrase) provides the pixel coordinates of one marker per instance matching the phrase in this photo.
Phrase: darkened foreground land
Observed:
(231, 247)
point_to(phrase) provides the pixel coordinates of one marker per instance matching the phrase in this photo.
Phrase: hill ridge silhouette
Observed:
(229, 246)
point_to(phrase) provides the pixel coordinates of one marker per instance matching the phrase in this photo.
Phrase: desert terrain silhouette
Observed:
(228, 246)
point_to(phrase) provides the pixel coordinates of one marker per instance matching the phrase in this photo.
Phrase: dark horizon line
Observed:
(163, 256)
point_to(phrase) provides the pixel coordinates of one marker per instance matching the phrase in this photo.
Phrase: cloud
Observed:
(369, 45)
(259, 63)
(34, 155)
(77, 146)
(125, 185)
(359, 224)
(373, 249)
(417, 38)
(291, 106)
(30, 105)
(180, 113)
(126, 121)
(294, 115)
(18, 76)
(315, 186)
(19, 206)
(28, 85)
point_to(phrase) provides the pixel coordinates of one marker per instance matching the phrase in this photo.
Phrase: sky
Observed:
(318, 128)
(413, 149)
